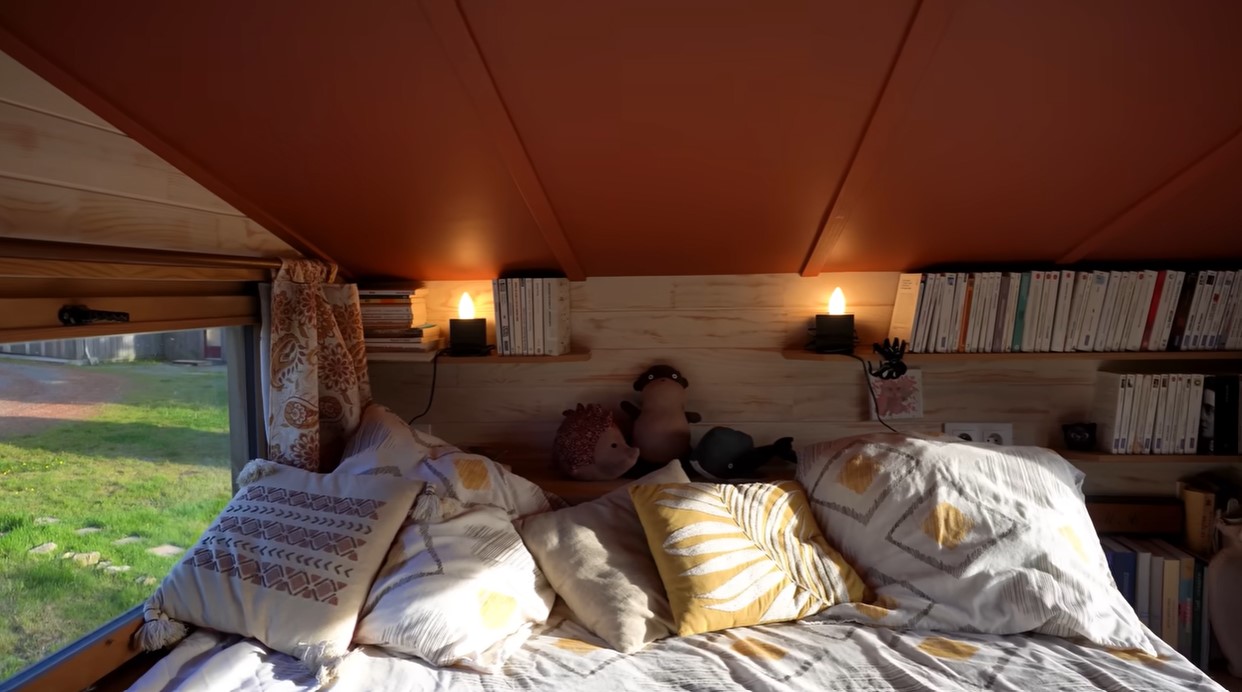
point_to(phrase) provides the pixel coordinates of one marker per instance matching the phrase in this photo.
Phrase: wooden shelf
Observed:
(915, 358)
(1151, 458)
(491, 359)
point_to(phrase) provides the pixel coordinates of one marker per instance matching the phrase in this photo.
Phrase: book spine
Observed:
(528, 316)
(1181, 316)
(1160, 298)
(1178, 390)
(1149, 413)
(1095, 305)
(499, 297)
(1228, 299)
(1011, 311)
(1203, 295)
(1197, 615)
(1137, 413)
(563, 309)
(997, 344)
(1078, 305)
(1224, 289)
(970, 325)
(956, 333)
(1171, 618)
(1185, 606)
(905, 307)
(1107, 312)
(947, 306)
(1143, 316)
(1034, 304)
(1234, 339)
(1159, 426)
(519, 329)
(920, 316)
(1048, 314)
(1019, 325)
(1170, 311)
(991, 306)
(1127, 412)
(1194, 405)
(538, 312)
(1065, 301)
(1155, 603)
(1120, 324)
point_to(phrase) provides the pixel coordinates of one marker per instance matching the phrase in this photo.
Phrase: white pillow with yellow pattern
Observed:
(458, 588)
(967, 538)
(739, 555)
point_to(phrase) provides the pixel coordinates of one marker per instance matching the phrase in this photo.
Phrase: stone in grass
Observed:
(146, 581)
(88, 530)
(44, 521)
(103, 563)
(43, 549)
(86, 559)
(115, 569)
(68, 555)
(166, 550)
(127, 540)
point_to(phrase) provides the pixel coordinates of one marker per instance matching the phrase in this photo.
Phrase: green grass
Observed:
(154, 465)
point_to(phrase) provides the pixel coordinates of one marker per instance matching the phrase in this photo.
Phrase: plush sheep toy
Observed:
(590, 447)
(662, 425)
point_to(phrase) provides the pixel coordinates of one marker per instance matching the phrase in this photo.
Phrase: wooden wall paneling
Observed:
(21, 87)
(88, 288)
(37, 147)
(68, 269)
(52, 211)
(1144, 478)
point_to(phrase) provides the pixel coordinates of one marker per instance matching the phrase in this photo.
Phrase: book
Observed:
(422, 330)
(1108, 312)
(1143, 316)
(1047, 311)
(905, 307)
(1211, 328)
(1233, 340)
(1061, 321)
(1194, 404)
(1155, 580)
(1159, 425)
(970, 316)
(1170, 310)
(1127, 412)
(1179, 390)
(1181, 313)
(955, 335)
(1184, 569)
(1151, 402)
(997, 345)
(515, 307)
(500, 296)
(991, 298)
(1160, 303)
(1170, 591)
(944, 311)
(922, 317)
(1200, 509)
(1034, 307)
(1020, 317)
(537, 311)
(1138, 413)
(1011, 311)
(1123, 564)
(1229, 298)
(1199, 309)
(1078, 309)
(1120, 323)
(1142, 579)
(1095, 305)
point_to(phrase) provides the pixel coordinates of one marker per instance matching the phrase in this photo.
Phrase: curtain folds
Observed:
(317, 383)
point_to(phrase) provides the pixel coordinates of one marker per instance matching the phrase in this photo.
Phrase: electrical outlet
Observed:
(992, 433)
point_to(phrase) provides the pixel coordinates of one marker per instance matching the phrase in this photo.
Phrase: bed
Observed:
(843, 647)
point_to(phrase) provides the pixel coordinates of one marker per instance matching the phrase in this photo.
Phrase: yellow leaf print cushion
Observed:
(738, 555)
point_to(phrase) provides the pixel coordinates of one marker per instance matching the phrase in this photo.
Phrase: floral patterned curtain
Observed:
(317, 366)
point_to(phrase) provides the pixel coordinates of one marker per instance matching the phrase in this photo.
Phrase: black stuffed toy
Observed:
(726, 454)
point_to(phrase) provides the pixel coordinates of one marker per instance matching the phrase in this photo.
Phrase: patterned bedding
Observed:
(807, 655)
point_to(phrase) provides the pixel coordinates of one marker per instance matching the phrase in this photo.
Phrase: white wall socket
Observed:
(993, 433)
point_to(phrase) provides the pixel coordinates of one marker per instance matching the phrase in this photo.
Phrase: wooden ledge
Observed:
(915, 358)
(491, 359)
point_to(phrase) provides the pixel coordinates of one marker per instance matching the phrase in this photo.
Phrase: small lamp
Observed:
(834, 332)
(467, 334)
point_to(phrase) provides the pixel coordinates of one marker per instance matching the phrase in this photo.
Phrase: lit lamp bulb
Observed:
(836, 303)
(467, 335)
(834, 332)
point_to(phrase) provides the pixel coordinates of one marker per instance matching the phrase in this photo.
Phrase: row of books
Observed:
(394, 320)
(532, 316)
(1171, 413)
(1164, 584)
(1061, 311)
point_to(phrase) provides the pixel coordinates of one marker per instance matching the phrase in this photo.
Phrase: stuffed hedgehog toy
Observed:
(590, 447)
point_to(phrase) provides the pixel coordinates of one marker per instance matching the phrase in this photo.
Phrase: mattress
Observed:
(813, 654)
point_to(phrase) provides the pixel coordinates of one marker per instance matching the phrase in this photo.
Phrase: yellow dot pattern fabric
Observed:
(947, 525)
(757, 648)
(948, 648)
(858, 474)
(472, 473)
(735, 555)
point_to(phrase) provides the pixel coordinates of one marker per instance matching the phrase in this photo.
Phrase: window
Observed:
(115, 454)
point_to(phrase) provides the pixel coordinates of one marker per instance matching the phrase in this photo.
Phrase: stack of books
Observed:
(1164, 585)
(394, 320)
(1167, 413)
(1062, 311)
(532, 316)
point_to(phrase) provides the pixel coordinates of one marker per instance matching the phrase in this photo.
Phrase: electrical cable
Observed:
(431, 396)
(875, 402)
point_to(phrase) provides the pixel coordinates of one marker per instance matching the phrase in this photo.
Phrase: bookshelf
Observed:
(917, 358)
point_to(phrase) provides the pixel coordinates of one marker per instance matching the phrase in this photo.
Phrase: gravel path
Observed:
(34, 396)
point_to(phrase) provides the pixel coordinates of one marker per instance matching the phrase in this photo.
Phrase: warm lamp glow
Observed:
(465, 307)
(836, 304)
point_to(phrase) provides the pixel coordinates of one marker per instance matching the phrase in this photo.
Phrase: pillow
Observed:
(457, 588)
(384, 445)
(595, 556)
(738, 555)
(288, 561)
(965, 537)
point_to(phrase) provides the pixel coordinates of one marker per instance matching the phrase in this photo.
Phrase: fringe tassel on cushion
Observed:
(324, 659)
(158, 631)
(429, 507)
(255, 470)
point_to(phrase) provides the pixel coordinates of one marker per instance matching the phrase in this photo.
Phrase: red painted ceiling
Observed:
(455, 139)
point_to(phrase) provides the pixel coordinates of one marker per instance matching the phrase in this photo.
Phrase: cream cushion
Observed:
(967, 538)
(595, 555)
(289, 561)
(740, 555)
(457, 588)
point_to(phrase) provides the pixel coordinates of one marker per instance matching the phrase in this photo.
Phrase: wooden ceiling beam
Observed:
(1227, 152)
(927, 26)
(453, 30)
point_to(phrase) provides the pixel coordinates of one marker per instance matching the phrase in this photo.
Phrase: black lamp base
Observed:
(833, 334)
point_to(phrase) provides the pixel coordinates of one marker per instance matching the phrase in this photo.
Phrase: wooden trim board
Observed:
(83, 662)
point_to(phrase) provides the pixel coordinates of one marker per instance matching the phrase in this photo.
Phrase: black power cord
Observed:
(891, 367)
(431, 396)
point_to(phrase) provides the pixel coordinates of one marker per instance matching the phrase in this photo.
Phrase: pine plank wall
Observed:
(725, 334)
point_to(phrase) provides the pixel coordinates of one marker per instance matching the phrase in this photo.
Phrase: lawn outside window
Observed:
(115, 454)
